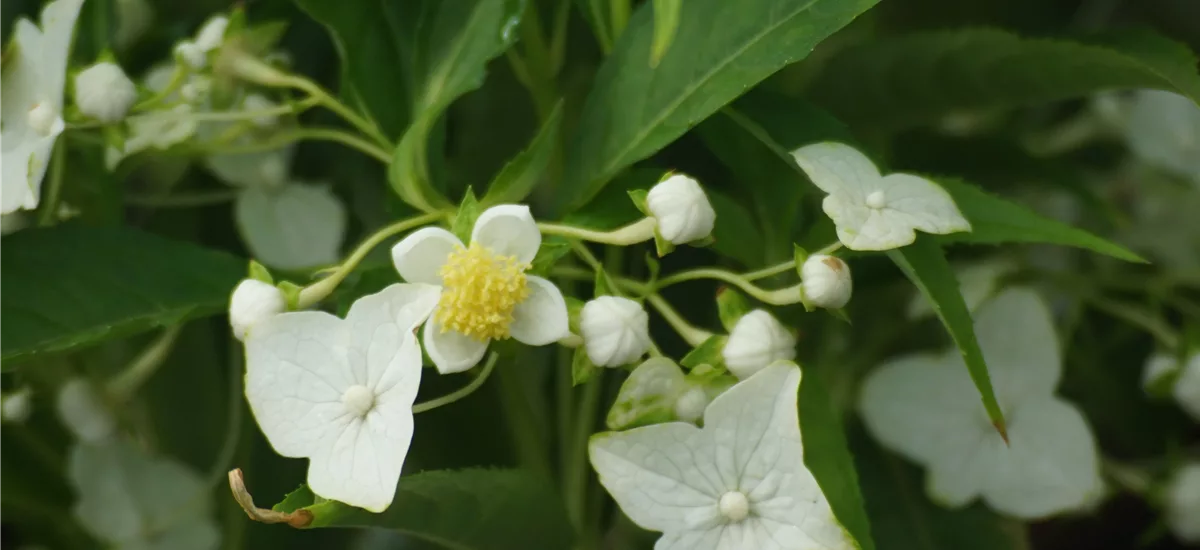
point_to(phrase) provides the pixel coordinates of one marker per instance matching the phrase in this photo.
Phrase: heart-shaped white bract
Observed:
(872, 211)
(292, 226)
(738, 482)
(340, 392)
(926, 408)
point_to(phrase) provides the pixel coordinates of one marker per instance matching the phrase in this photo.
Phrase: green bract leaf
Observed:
(666, 21)
(895, 82)
(551, 251)
(518, 178)
(634, 109)
(464, 509)
(731, 306)
(582, 367)
(995, 220)
(648, 396)
(464, 219)
(70, 286)
(707, 353)
(924, 263)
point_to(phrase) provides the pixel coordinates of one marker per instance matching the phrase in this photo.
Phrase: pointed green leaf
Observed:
(464, 219)
(731, 306)
(518, 178)
(582, 367)
(666, 21)
(707, 353)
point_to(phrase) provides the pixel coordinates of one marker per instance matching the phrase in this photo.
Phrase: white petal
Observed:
(863, 228)
(380, 326)
(921, 204)
(297, 226)
(58, 28)
(509, 230)
(699, 539)
(1164, 131)
(1187, 387)
(451, 351)
(296, 373)
(1017, 337)
(542, 318)
(419, 257)
(838, 169)
(83, 411)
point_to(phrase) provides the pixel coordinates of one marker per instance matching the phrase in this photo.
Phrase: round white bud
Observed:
(104, 92)
(826, 281)
(757, 340)
(252, 302)
(681, 209)
(1183, 503)
(615, 330)
(83, 412)
(690, 405)
(16, 407)
(44, 119)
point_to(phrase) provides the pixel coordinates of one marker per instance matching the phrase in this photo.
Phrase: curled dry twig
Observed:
(237, 484)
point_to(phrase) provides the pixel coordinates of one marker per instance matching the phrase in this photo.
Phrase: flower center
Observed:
(358, 400)
(876, 200)
(480, 291)
(42, 117)
(734, 506)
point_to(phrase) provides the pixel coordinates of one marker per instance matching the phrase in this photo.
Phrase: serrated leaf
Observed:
(518, 178)
(463, 509)
(666, 21)
(893, 82)
(70, 286)
(731, 306)
(707, 353)
(464, 218)
(634, 109)
(995, 220)
(924, 263)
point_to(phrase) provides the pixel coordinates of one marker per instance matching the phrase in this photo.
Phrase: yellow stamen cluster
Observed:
(480, 289)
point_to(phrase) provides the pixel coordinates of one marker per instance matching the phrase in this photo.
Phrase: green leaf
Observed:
(70, 286)
(518, 178)
(464, 219)
(833, 467)
(666, 22)
(736, 234)
(582, 367)
(924, 263)
(995, 220)
(731, 306)
(894, 82)
(462, 509)
(634, 109)
(707, 353)
(552, 250)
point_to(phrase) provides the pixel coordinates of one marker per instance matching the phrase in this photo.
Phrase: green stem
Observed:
(530, 446)
(233, 424)
(122, 388)
(576, 473)
(461, 392)
(177, 80)
(779, 297)
(319, 134)
(49, 214)
(183, 200)
(329, 102)
(769, 271)
(620, 16)
(692, 335)
(317, 291)
(636, 232)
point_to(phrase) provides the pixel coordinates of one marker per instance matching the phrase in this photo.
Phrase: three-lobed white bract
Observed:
(738, 482)
(615, 330)
(340, 392)
(297, 225)
(873, 211)
(757, 340)
(926, 408)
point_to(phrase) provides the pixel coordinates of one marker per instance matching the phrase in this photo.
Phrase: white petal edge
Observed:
(451, 351)
(542, 318)
(922, 204)
(838, 169)
(509, 230)
(419, 257)
(1016, 334)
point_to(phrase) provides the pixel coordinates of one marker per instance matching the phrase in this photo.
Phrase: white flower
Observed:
(17, 406)
(103, 92)
(295, 226)
(826, 281)
(210, 36)
(340, 392)
(976, 282)
(1159, 366)
(738, 483)
(1187, 387)
(1183, 503)
(926, 408)
(681, 209)
(253, 302)
(486, 294)
(616, 331)
(84, 412)
(35, 73)
(1163, 130)
(757, 340)
(131, 500)
(871, 211)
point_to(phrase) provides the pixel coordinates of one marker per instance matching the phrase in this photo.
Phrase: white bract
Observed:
(1163, 130)
(615, 330)
(131, 500)
(1187, 386)
(340, 392)
(32, 82)
(1183, 503)
(872, 211)
(104, 92)
(681, 209)
(195, 52)
(737, 483)
(826, 281)
(294, 226)
(926, 408)
(485, 293)
(16, 407)
(84, 412)
(757, 340)
(253, 302)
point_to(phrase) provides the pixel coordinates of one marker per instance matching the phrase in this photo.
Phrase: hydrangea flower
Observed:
(340, 392)
(131, 500)
(757, 340)
(926, 408)
(738, 482)
(872, 211)
(1183, 503)
(615, 330)
(486, 294)
(33, 79)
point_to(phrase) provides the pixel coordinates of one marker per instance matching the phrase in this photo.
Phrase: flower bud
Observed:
(191, 55)
(681, 209)
(615, 330)
(757, 340)
(1183, 502)
(104, 92)
(44, 119)
(16, 407)
(690, 405)
(83, 412)
(252, 302)
(826, 281)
